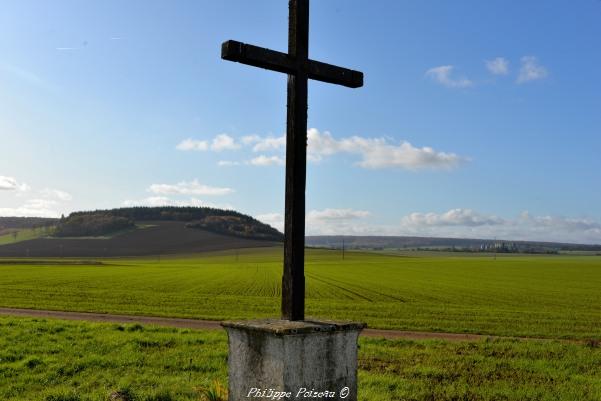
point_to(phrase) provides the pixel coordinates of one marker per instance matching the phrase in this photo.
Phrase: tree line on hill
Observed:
(91, 225)
(238, 226)
(106, 222)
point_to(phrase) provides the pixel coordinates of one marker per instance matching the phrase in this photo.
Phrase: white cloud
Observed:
(562, 223)
(249, 139)
(336, 214)
(498, 66)
(224, 142)
(466, 223)
(157, 201)
(323, 222)
(11, 184)
(56, 194)
(454, 217)
(442, 75)
(269, 144)
(267, 161)
(377, 153)
(455, 223)
(219, 143)
(407, 156)
(46, 205)
(188, 188)
(531, 70)
(335, 221)
(192, 144)
(32, 208)
(227, 163)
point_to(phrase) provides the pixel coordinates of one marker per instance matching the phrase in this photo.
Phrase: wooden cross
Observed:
(300, 69)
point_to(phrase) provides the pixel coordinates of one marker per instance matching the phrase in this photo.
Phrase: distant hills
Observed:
(140, 231)
(25, 222)
(136, 231)
(447, 244)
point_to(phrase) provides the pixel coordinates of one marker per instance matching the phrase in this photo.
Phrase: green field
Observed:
(536, 296)
(23, 234)
(53, 360)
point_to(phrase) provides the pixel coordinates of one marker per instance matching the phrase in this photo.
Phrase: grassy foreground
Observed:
(53, 360)
(23, 234)
(539, 296)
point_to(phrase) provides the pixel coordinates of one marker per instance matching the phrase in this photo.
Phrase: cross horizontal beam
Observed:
(277, 61)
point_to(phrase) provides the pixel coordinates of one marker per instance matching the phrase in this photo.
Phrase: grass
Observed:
(536, 296)
(54, 360)
(539, 296)
(24, 234)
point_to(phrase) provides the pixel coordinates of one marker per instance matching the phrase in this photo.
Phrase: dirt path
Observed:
(215, 325)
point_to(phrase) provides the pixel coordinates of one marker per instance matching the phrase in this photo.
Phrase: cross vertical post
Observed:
(293, 280)
(300, 69)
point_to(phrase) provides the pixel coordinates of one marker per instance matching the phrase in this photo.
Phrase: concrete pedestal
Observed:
(292, 360)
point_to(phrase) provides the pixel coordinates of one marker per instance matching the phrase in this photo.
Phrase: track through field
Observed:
(216, 325)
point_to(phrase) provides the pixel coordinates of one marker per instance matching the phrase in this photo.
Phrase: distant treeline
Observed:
(445, 244)
(239, 226)
(528, 250)
(104, 222)
(168, 213)
(26, 222)
(91, 225)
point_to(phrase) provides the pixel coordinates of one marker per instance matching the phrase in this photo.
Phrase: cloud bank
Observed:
(454, 223)
(42, 203)
(469, 223)
(378, 153)
(33, 208)
(374, 153)
(322, 222)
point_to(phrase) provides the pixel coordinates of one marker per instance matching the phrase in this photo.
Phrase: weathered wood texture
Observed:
(293, 281)
(256, 56)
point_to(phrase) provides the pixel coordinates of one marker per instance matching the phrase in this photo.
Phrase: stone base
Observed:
(287, 360)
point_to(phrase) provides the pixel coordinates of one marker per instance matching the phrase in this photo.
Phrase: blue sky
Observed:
(477, 119)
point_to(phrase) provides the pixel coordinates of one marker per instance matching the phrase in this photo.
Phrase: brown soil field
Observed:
(161, 238)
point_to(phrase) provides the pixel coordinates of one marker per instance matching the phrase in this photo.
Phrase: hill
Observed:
(141, 231)
(106, 222)
(150, 238)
